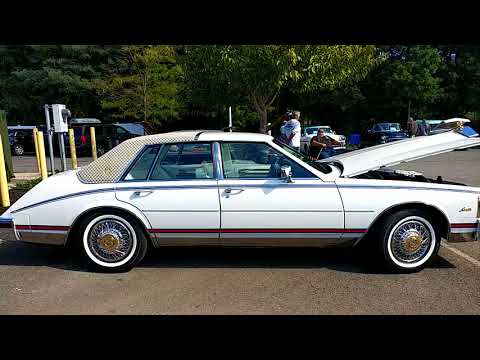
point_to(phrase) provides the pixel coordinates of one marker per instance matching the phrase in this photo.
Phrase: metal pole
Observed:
(61, 143)
(73, 152)
(3, 179)
(230, 125)
(50, 141)
(94, 143)
(37, 153)
(41, 149)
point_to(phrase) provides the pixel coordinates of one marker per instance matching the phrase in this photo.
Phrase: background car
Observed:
(309, 132)
(382, 133)
(107, 136)
(21, 138)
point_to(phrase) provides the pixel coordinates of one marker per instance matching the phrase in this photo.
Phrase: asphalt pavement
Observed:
(40, 279)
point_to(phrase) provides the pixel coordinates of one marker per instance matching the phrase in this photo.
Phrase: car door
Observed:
(175, 187)
(259, 208)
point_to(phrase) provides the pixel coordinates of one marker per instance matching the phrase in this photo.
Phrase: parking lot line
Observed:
(461, 254)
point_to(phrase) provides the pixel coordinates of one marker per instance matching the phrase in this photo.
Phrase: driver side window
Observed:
(257, 161)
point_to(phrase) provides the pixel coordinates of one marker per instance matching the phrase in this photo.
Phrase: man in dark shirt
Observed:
(321, 146)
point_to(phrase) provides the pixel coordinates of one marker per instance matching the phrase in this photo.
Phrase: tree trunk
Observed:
(409, 103)
(263, 120)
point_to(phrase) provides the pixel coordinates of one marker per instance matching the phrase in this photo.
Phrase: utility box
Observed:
(60, 118)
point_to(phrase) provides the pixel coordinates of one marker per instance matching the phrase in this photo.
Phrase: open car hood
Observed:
(384, 155)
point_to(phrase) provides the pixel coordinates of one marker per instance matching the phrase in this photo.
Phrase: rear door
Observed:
(174, 186)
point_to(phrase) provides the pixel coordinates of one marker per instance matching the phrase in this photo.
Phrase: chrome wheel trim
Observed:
(404, 248)
(18, 149)
(116, 234)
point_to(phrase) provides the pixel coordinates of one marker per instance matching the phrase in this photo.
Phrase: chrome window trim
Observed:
(217, 161)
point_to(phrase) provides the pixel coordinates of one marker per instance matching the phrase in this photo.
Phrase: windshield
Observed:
(315, 164)
(313, 130)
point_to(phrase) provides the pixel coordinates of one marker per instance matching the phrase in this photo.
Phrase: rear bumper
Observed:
(464, 232)
(7, 229)
(54, 235)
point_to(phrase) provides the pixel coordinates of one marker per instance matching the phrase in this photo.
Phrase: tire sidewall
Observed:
(135, 256)
(391, 224)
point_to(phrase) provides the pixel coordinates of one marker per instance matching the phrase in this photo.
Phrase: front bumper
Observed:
(464, 232)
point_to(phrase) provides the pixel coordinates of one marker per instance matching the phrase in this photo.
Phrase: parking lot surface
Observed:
(39, 279)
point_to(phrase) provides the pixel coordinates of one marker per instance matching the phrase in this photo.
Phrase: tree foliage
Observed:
(144, 85)
(256, 73)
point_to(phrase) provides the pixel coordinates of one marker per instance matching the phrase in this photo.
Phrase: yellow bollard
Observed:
(3, 179)
(73, 151)
(43, 160)
(37, 154)
(94, 143)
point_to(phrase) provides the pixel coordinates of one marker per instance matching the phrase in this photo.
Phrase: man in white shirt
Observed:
(293, 130)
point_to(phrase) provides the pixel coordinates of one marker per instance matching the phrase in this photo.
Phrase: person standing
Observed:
(293, 130)
(412, 127)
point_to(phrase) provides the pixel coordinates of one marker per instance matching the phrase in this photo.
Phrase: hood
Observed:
(375, 157)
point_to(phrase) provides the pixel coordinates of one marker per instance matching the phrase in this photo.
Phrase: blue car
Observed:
(382, 133)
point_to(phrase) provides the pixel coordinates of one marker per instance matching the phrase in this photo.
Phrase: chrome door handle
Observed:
(229, 190)
(146, 192)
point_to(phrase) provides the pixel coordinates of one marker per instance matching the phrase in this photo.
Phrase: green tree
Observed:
(223, 75)
(31, 76)
(414, 78)
(145, 84)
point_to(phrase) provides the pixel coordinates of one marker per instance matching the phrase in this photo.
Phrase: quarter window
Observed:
(257, 161)
(140, 170)
(184, 162)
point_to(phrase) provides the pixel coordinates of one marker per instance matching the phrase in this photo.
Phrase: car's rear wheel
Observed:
(18, 149)
(407, 241)
(111, 242)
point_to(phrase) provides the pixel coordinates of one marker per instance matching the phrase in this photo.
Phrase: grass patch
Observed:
(28, 184)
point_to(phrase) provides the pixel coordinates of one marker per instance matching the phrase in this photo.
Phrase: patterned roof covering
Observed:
(109, 167)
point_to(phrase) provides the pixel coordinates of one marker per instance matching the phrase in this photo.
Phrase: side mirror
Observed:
(286, 173)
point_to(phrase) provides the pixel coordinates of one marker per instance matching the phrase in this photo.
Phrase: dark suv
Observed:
(21, 139)
(107, 136)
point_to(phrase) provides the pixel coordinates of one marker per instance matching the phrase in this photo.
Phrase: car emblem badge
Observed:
(465, 209)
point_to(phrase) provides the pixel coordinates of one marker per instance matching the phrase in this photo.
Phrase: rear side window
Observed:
(184, 162)
(140, 170)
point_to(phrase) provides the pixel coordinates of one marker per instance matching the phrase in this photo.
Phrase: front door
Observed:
(174, 186)
(259, 208)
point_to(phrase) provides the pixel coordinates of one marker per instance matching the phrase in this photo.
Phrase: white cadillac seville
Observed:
(239, 189)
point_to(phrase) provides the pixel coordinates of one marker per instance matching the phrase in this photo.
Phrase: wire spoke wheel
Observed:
(411, 241)
(110, 240)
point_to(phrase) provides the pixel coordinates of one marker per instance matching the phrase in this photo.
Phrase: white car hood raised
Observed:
(372, 158)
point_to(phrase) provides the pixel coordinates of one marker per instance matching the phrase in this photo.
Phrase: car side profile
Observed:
(214, 188)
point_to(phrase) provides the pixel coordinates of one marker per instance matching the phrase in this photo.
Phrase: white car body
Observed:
(306, 137)
(326, 209)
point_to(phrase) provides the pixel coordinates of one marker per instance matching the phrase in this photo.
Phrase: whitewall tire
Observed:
(407, 240)
(111, 242)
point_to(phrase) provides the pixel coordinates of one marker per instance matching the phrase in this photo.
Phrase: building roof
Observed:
(109, 167)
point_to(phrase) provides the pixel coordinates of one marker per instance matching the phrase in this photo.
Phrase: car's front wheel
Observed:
(111, 242)
(407, 240)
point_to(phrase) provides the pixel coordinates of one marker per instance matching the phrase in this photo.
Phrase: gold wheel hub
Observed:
(413, 243)
(109, 242)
